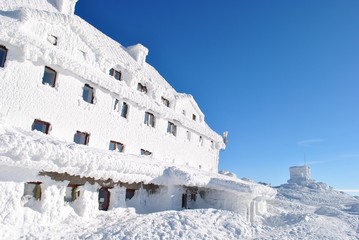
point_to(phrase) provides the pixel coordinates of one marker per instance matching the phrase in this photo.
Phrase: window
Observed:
(201, 140)
(212, 144)
(72, 193)
(188, 135)
(81, 138)
(141, 88)
(33, 189)
(116, 74)
(194, 117)
(116, 146)
(130, 193)
(41, 126)
(165, 102)
(171, 128)
(115, 106)
(184, 112)
(52, 39)
(88, 94)
(3, 53)
(124, 110)
(145, 152)
(49, 77)
(149, 119)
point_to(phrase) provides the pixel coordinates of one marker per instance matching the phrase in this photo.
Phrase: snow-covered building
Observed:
(299, 175)
(64, 85)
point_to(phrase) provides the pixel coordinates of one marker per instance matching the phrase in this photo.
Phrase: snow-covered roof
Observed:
(34, 150)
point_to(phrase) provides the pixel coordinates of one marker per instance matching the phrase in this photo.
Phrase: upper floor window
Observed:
(3, 53)
(116, 74)
(88, 94)
(49, 76)
(149, 119)
(171, 128)
(141, 88)
(201, 140)
(124, 110)
(116, 146)
(165, 102)
(212, 144)
(41, 126)
(81, 138)
(194, 117)
(145, 152)
(52, 39)
(188, 135)
(184, 112)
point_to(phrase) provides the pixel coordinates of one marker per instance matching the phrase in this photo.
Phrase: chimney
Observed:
(66, 6)
(138, 52)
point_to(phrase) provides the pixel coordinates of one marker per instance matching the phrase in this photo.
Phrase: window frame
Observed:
(142, 88)
(54, 79)
(52, 39)
(87, 138)
(116, 144)
(87, 86)
(172, 128)
(200, 140)
(150, 119)
(145, 152)
(189, 135)
(46, 124)
(165, 102)
(114, 73)
(124, 110)
(5, 50)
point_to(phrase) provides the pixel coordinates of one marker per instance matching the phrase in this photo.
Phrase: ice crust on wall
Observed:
(39, 152)
(29, 52)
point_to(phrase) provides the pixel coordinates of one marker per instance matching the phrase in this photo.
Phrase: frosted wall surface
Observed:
(80, 55)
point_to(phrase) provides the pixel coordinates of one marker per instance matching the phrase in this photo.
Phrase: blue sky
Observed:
(281, 76)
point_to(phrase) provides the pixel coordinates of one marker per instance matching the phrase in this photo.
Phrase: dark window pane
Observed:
(49, 77)
(116, 74)
(3, 52)
(87, 94)
(41, 126)
(112, 146)
(124, 110)
(81, 138)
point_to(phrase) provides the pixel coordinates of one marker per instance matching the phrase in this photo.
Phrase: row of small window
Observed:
(82, 137)
(113, 72)
(50, 75)
(33, 190)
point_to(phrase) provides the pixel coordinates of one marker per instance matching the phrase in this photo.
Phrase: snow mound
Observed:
(328, 211)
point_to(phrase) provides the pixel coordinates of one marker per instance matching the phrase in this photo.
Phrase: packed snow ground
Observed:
(310, 212)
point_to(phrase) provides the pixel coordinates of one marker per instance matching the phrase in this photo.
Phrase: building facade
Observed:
(86, 125)
(65, 78)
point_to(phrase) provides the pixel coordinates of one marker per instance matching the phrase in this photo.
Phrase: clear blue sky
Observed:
(281, 76)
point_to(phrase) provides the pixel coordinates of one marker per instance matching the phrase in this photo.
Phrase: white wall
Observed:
(24, 98)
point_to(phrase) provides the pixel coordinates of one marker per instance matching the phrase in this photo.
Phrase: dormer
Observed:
(186, 105)
(138, 52)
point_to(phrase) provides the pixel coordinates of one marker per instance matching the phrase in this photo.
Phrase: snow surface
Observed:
(298, 212)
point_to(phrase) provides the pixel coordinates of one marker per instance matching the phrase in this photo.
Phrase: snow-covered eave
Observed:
(35, 50)
(37, 151)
